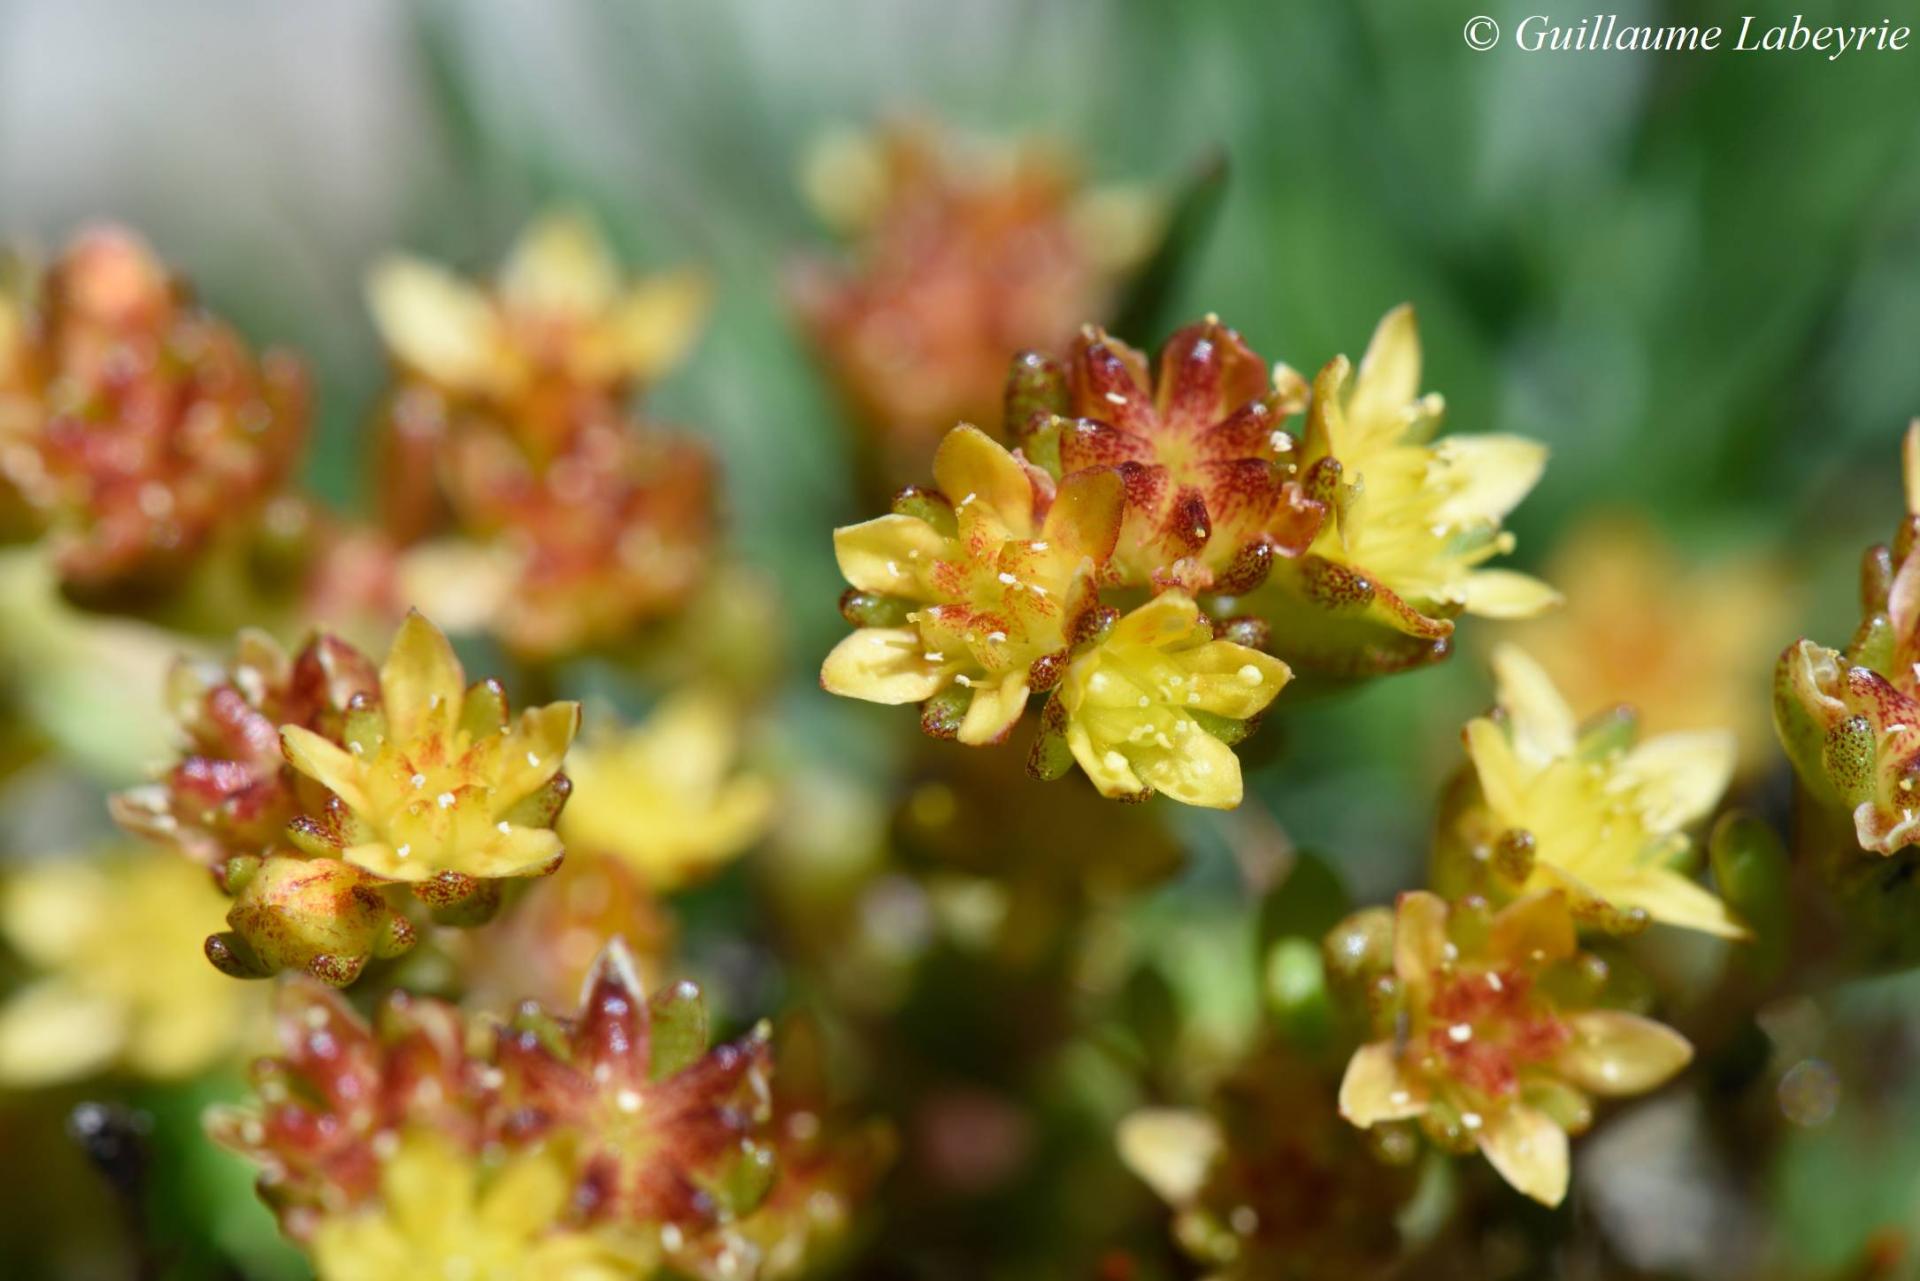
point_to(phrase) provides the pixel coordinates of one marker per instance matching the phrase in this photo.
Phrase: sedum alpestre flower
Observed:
(1850, 719)
(530, 501)
(1490, 1039)
(317, 787)
(1212, 494)
(666, 1132)
(434, 784)
(1549, 804)
(970, 594)
(139, 429)
(606, 1145)
(1410, 521)
(1155, 704)
(374, 1142)
(558, 320)
(115, 977)
(664, 797)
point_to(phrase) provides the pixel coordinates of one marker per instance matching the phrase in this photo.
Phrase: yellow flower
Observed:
(1670, 638)
(1148, 707)
(1411, 519)
(558, 307)
(1482, 1050)
(440, 1215)
(121, 981)
(972, 586)
(662, 796)
(1590, 813)
(435, 781)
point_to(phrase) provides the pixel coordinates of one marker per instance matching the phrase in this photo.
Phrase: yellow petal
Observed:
(53, 1031)
(1498, 770)
(435, 323)
(1198, 770)
(1170, 1149)
(1110, 771)
(1508, 594)
(1375, 1089)
(1084, 520)
(1614, 1053)
(653, 328)
(325, 763)
(994, 709)
(1543, 724)
(560, 266)
(533, 752)
(1669, 898)
(970, 468)
(884, 665)
(421, 683)
(1168, 620)
(1491, 474)
(891, 554)
(1537, 929)
(1680, 777)
(526, 1196)
(1389, 378)
(1528, 1150)
(1419, 937)
(1910, 465)
(1232, 680)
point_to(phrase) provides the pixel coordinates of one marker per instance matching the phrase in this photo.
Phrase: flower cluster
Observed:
(584, 1148)
(564, 523)
(317, 787)
(136, 428)
(1490, 1032)
(963, 252)
(1183, 487)
(1850, 719)
(1551, 804)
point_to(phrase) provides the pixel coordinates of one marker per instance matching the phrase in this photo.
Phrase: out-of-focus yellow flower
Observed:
(663, 797)
(1672, 639)
(120, 982)
(559, 309)
(1154, 705)
(972, 586)
(436, 781)
(439, 1214)
(1586, 811)
(1412, 519)
(1487, 1049)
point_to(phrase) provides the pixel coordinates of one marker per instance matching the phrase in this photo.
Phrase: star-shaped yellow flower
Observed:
(1589, 813)
(663, 797)
(435, 780)
(559, 308)
(1484, 1055)
(973, 585)
(1411, 521)
(1153, 706)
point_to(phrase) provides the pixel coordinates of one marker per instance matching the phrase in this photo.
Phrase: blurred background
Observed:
(1697, 278)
